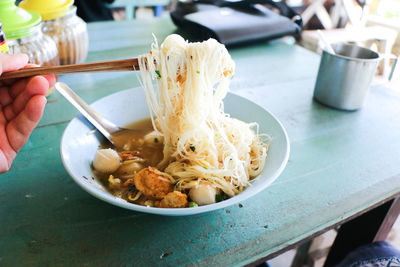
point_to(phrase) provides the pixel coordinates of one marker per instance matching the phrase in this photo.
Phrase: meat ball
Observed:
(152, 184)
(153, 138)
(129, 167)
(106, 160)
(174, 199)
(203, 194)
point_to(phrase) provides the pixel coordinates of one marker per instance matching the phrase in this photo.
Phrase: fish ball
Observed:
(153, 138)
(203, 194)
(106, 160)
(173, 41)
(130, 167)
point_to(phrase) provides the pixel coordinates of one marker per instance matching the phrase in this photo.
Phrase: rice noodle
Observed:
(201, 141)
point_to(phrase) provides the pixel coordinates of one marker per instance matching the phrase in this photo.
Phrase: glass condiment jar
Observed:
(62, 24)
(23, 32)
(71, 36)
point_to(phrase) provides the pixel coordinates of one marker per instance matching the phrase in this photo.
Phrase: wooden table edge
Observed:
(379, 203)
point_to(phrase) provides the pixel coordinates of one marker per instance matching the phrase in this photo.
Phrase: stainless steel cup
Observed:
(344, 78)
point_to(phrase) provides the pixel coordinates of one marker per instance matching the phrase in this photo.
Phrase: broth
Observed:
(135, 141)
(139, 150)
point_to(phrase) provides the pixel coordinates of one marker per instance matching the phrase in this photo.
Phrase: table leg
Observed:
(371, 226)
(301, 257)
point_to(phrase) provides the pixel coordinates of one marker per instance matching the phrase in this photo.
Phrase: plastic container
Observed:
(61, 23)
(23, 32)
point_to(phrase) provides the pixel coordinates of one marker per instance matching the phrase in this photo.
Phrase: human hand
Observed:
(22, 102)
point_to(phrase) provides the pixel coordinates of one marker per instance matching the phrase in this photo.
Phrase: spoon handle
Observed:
(104, 126)
(326, 43)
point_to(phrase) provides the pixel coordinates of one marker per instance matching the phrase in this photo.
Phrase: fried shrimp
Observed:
(174, 199)
(130, 155)
(152, 183)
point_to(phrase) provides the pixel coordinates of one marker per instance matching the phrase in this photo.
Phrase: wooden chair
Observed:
(130, 5)
(355, 32)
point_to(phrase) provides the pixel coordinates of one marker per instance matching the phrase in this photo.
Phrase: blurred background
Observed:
(373, 24)
(370, 23)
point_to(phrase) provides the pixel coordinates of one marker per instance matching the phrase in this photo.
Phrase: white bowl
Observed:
(80, 142)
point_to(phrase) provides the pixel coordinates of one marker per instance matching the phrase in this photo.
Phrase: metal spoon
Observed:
(107, 128)
(326, 43)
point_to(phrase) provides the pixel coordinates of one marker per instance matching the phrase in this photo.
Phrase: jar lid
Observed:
(48, 9)
(17, 22)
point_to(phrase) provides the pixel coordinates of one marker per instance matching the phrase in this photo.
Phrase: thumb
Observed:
(12, 62)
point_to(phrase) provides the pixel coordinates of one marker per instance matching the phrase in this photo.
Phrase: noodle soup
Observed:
(191, 153)
(140, 151)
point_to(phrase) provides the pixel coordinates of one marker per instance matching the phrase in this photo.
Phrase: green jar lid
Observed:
(17, 22)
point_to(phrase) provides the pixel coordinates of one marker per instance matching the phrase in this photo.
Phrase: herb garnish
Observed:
(193, 204)
(158, 74)
(156, 140)
(192, 147)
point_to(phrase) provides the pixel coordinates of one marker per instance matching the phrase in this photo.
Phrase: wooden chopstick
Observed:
(113, 65)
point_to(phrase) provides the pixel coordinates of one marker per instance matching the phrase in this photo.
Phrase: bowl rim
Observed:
(109, 198)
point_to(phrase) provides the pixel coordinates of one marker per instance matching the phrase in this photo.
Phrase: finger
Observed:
(51, 79)
(5, 161)
(19, 129)
(7, 154)
(3, 122)
(9, 113)
(35, 107)
(18, 87)
(8, 82)
(11, 81)
(5, 98)
(37, 85)
(31, 65)
(12, 62)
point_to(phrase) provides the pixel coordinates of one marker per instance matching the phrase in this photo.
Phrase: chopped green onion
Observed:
(158, 74)
(192, 147)
(193, 204)
(197, 71)
(156, 140)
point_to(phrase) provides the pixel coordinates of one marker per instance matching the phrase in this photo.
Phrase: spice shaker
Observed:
(23, 33)
(3, 41)
(61, 23)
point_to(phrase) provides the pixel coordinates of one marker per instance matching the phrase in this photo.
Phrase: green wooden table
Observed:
(342, 164)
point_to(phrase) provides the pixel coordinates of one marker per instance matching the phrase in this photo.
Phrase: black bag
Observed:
(235, 21)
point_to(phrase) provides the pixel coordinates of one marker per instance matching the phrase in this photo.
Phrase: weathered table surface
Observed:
(341, 163)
